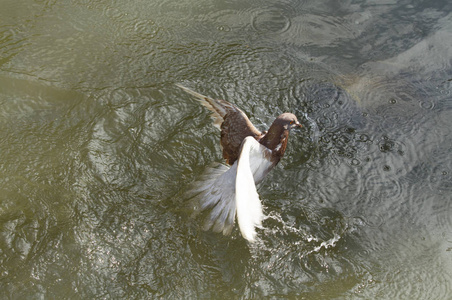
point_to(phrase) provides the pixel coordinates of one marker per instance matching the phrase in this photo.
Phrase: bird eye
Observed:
(292, 122)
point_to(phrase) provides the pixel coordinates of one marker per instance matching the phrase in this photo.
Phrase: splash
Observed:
(314, 128)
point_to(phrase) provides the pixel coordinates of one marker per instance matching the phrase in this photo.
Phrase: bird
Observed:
(230, 190)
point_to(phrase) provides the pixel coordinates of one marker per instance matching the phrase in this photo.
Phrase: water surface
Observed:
(98, 146)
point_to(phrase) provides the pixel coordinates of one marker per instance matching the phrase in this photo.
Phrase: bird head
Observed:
(288, 121)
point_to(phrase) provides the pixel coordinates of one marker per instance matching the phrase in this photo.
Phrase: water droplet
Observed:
(356, 162)
(363, 138)
(392, 101)
(387, 146)
(224, 28)
(427, 104)
(375, 199)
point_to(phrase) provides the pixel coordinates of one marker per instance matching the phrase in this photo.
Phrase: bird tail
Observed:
(215, 106)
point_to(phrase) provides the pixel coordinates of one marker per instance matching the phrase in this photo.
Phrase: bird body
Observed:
(230, 191)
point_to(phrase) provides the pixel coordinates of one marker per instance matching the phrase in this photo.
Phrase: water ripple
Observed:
(440, 171)
(299, 250)
(402, 106)
(271, 20)
(321, 30)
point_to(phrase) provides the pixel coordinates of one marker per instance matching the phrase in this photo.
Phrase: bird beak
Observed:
(297, 125)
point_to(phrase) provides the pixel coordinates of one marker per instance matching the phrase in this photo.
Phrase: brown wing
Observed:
(234, 129)
(217, 107)
(233, 123)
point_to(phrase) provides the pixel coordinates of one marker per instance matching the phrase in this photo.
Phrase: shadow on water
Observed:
(97, 146)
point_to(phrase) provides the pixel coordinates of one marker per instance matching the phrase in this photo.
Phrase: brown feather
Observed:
(235, 127)
(234, 124)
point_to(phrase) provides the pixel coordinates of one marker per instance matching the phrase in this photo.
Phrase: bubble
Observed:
(386, 146)
(355, 162)
(427, 104)
(363, 138)
(224, 28)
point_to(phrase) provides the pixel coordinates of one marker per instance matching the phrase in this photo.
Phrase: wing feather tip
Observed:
(218, 111)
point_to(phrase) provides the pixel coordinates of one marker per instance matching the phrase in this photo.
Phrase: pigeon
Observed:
(230, 191)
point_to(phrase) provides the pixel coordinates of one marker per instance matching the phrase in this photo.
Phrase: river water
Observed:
(97, 147)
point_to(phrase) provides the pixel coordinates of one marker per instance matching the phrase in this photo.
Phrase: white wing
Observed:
(224, 191)
(253, 164)
(215, 192)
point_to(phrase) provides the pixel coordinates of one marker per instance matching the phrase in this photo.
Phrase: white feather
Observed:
(253, 165)
(225, 192)
(216, 192)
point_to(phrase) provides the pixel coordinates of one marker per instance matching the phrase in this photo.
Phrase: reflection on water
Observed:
(98, 146)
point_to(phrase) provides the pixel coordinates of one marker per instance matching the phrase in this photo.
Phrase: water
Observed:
(98, 146)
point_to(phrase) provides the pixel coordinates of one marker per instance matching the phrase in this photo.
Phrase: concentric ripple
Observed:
(271, 20)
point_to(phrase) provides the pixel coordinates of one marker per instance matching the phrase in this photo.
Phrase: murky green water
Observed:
(97, 147)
